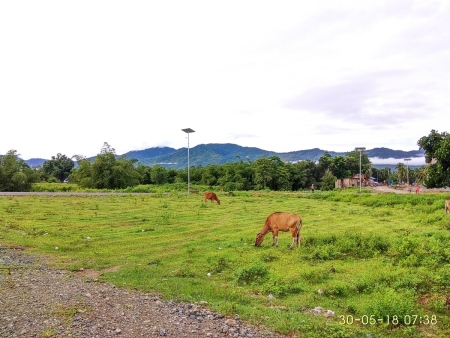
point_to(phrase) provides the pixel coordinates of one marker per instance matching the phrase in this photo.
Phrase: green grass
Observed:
(362, 255)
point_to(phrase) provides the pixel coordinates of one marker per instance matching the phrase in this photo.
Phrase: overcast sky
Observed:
(277, 75)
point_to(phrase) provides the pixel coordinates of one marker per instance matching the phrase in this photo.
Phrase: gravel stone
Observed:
(37, 300)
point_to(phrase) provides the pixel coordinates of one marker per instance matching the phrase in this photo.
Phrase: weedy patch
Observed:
(253, 273)
(361, 254)
(393, 306)
(48, 333)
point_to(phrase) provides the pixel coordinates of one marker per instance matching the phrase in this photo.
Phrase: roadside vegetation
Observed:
(112, 172)
(369, 264)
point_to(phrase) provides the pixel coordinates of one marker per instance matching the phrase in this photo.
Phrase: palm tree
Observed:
(421, 173)
(401, 172)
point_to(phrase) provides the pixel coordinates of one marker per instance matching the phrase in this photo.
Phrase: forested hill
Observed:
(215, 153)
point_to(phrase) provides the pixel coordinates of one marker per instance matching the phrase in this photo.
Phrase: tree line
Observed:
(109, 171)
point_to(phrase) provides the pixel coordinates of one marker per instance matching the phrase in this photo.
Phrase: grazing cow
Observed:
(210, 196)
(447, 206)
(281, 221)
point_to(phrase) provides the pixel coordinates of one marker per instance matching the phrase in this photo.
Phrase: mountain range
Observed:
(217, 153)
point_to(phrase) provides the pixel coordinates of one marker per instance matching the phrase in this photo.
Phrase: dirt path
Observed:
(403, 190)
(59, 193)
(386, 188)
(37, 300)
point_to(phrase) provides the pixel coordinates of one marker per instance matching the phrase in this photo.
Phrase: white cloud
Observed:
(281, 76)
(415, 161)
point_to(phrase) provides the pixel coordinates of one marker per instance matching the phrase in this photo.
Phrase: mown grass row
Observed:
(362, 254)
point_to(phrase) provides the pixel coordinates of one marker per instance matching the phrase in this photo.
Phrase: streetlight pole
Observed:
(360, 149)
(188, 131)
(407, 170)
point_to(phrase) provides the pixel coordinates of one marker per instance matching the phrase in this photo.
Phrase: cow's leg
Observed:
(294, 240)
(294, 237)
(275, 238)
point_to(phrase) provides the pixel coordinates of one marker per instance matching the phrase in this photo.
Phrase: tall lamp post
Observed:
(188, 131)
(407, 170)
(360, 149)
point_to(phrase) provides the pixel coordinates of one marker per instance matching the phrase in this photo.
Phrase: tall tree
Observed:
(353, 163)
(437, 155)
(263, 172)
(159, 174)
(431, 144)
(106, 171)
(325, 163)
(15, 174)
(58, 167)
(210, 174)
(82, 174)
(401, 172)
(328, 180)
(339, 167)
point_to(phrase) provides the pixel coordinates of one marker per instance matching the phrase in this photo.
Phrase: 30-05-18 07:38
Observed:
(393, 320)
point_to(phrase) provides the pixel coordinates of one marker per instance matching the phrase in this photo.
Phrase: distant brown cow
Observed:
(281, 221)
(210, 196)
(447, 206)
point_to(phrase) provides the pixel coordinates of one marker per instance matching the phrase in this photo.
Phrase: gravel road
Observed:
(37, 300)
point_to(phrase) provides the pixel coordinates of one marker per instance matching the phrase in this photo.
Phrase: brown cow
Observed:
(210, 196)
(447, 206)
(281, 221)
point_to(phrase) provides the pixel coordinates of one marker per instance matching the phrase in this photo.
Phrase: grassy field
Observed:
(380, 262)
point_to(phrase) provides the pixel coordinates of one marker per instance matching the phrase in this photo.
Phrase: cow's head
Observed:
(259, 239)
(218, 201)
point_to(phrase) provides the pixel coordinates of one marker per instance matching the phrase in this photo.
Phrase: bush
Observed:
(219, 264)
(361, 246)
(337, 289)
(316, 275)
(364, 284)
(392, 306)
(323, 253)
(251, 274)
(54, 187)
(279, 288)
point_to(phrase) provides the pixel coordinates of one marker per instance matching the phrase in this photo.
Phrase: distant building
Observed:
(343, 183)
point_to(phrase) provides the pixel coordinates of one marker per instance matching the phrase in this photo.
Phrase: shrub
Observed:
(269, 258)
(219, 264)
(337, 289)
(392, 306)
(364, 284)
(443, 276)
(325, 252)
(414, 282)
(279, 287)
(316, 275)
(251, 274)
(184, 272)
(361, 246)
(438, 303)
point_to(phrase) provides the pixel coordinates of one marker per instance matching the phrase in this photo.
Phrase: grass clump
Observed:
(392, 306)
(253, 273)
